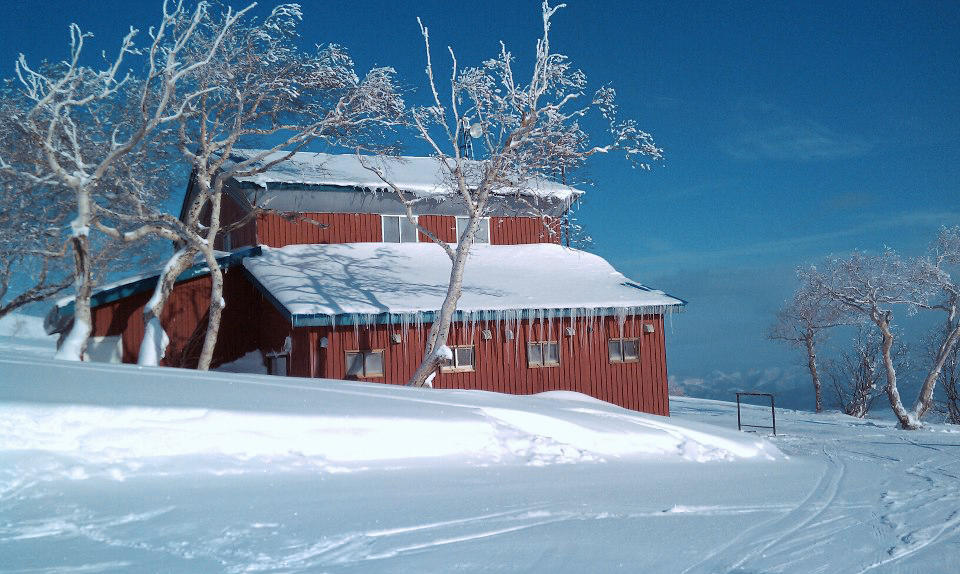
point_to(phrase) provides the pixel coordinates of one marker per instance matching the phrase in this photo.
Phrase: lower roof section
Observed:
(61, 315)
(376, 283)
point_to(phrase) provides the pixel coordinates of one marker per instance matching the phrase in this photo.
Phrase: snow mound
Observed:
(120, 421)
(24, 334)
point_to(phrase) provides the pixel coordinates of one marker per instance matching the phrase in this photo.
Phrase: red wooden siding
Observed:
(245, 236)
(520, 230)
(501, 364)
(250, 322)
(275, 231)
(185, 319)
(442, 226)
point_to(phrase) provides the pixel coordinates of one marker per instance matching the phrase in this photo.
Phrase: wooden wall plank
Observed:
(502, 365)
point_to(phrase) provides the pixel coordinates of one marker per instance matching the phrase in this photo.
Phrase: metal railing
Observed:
(773, 412)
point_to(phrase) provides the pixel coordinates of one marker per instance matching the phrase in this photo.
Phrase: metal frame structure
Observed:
(773, 412)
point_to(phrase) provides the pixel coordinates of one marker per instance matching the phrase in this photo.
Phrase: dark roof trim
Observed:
(427, 317)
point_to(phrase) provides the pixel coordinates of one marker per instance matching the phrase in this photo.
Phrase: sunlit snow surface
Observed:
(122, 469)
(422, 176)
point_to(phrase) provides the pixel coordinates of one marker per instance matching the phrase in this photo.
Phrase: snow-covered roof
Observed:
(386, 282)
(421, 176)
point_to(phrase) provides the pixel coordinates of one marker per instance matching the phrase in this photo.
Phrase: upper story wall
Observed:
(275, 231)
(323, 227)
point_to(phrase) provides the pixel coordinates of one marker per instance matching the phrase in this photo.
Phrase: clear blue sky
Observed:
(792, 130)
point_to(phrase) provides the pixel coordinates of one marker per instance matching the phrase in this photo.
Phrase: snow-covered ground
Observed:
(109, 468)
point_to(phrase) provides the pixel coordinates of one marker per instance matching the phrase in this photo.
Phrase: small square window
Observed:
(463, 360)
(398, 229)
(543, 354)
(624, 350)
(483, 230)
(364, 364)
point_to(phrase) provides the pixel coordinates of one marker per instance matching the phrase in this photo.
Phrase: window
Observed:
(624, 350)
(398, 229)
(543, 354)
(365, 364)
(463, 360)
(483, 231)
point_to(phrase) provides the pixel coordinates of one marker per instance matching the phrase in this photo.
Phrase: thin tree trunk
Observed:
(154, 344)
(440, 330)
(907, 421)
(812, 365)
(217, 305)
(925, 398)
(75, 344)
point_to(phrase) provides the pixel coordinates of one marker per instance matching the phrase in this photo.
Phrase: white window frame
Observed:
(622, 358)
(397, 220)
(363, 353)
(543, 362)
(454, 366)
(462, 226)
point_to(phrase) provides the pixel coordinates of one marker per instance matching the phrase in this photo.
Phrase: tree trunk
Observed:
(217, 305)
(812, 365)
(75, 344)
(440, 330)
(154, 344)
(907, 420)
(925, 398)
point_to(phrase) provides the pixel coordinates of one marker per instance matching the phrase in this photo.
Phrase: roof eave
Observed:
(427, 317)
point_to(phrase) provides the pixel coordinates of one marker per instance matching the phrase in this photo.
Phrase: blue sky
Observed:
(792, 130)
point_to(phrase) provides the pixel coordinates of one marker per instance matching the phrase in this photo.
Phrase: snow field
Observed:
(116, 468)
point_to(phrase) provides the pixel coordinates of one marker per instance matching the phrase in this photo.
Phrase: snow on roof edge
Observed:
(420, 175)
(291, 276)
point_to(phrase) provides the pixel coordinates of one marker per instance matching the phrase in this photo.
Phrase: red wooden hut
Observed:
(355, 299)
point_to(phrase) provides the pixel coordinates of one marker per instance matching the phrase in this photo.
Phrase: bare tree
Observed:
(934, 271)
(526, 132)
(871, 287)
(33, 216)
(856, 374)
(81, 145)
(949, 377)
(256, 86)
(802, 322)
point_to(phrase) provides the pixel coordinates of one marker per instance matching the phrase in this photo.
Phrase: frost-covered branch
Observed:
(528, 132)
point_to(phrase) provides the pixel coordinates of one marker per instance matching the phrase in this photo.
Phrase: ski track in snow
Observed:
(915, 518)
(760, 538)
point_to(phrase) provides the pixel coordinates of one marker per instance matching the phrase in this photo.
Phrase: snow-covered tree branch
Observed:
(525, 132)
(802, 322)
(257, 86)
(872, 287)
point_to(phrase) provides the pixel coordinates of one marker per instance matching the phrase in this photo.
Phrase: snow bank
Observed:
(117, 420)
(25, 334)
